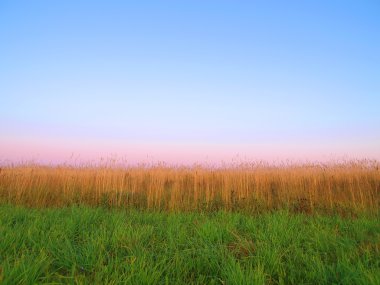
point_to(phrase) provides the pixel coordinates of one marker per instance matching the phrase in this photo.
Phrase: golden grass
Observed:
(307, 187)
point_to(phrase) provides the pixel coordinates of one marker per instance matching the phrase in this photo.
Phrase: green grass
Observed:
(81, 245)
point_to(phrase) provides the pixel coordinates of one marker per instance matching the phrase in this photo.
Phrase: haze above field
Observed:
(186, 81)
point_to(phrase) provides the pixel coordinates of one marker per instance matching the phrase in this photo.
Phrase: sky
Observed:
(189, 81)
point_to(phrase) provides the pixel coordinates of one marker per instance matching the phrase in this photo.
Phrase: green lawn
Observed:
(81, 245)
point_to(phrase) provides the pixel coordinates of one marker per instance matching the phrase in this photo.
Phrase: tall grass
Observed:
(351, 185)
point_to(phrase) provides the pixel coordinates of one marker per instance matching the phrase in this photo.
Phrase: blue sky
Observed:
(263, 74)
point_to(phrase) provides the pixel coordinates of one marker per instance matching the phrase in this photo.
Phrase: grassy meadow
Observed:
(84, 245)
(246, 224)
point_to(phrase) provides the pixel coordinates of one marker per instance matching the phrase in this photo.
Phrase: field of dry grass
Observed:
(304, 188)
(241, 224)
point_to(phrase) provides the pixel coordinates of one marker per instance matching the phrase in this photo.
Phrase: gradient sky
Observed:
(185, 81)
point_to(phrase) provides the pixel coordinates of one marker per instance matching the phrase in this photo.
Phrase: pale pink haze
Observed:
(57, 151)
